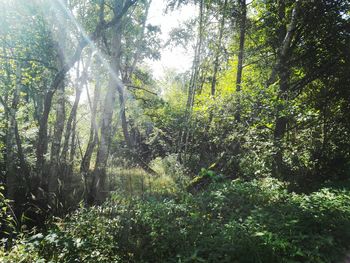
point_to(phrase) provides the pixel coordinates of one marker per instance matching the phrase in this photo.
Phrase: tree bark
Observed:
(121, 90)
(282, 70)
(42, 143)
(93, 138)
(99, 183)
(13, 141)
(12, 179)
(242, 31)
(184, 134)
(55, 167)
(126, 134)
(139, 43)
(70, 120)
(197, 59)
(81, 81)
(218, 51)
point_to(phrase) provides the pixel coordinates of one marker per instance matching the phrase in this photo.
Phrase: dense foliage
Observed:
(238, 221)
(242, 157)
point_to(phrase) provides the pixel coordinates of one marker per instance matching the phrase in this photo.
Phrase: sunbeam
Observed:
(214, 131)
(102, 58)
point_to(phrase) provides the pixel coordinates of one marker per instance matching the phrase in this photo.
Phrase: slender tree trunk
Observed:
(197, 59)
(218, 50)
(13, 141)
(12, 179)
(55, 167)
(184, 135)
(81, 81)
(55, 170)
(42, 142)
(100, 187)
(72, 146)
(242, 31)
(139, 42)
(93, 139)
(55, 164)
(83, 42)
(128, 74)
(99, 183)
(70, 121)
(128, 140)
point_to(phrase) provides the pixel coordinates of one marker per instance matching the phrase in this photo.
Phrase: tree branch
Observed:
(140, 88)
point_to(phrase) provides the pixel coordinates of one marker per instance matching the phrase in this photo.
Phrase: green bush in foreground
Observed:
(257, 221)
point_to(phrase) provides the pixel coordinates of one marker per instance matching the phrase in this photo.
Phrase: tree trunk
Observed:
(81, 81)
(93, 137)
(13, 141)
(72, 147)
(126, 134)
(282, 69)
(12, 180)
(242, 30)
(128, 74)
(139, 42)
(99, 183)
(42, 143)
(184, 134)
(71, 118)
(218, 51)
(55, 167)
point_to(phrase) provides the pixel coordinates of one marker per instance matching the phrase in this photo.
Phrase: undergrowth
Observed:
(236, 221)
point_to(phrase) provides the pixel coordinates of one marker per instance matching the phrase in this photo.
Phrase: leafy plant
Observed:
(237, 221)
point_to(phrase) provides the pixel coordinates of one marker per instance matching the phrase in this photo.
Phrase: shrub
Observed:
(237, 221)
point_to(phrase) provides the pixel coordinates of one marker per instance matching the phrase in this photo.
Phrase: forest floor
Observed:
(226, 221)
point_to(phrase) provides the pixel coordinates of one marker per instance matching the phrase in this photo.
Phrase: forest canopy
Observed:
(244, 156)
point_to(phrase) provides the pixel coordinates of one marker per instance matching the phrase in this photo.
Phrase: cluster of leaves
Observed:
(7, 223)
(237, 221)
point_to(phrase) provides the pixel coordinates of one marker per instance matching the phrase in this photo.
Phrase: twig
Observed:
(140, 88)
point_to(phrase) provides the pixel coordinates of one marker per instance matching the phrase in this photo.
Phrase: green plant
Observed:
(235, 221)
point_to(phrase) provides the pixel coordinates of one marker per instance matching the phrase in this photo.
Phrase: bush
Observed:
(136, 182)
(169, 167)
(237, 221)
(7, 221)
